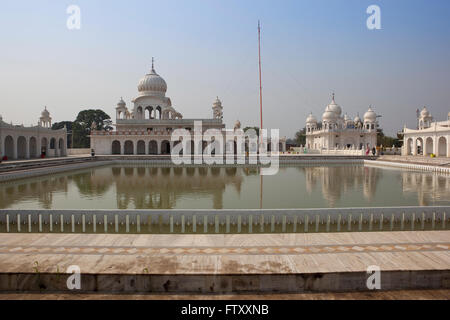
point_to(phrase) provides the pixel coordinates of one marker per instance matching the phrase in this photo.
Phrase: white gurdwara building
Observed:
(428, 138)
(341, 132)
(20, 142)
(147, 127)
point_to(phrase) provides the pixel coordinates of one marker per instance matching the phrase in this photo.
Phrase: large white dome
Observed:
(334, 107)
(329, 115)
(152, 83)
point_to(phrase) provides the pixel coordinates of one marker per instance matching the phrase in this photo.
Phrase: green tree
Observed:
(68, 125)
(300, 137)
(61, 124)
(386, 141)
(254, 128)
(82, 125)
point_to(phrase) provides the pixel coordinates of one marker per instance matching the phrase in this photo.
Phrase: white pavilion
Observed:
(428, 138)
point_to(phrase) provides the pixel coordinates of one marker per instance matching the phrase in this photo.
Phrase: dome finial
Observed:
(153, 64)
(332, 96)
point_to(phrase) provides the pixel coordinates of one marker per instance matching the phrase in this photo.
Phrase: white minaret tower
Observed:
(217, 109)
(45, 120)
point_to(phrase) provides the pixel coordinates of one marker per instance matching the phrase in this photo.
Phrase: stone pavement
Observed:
(233, 263)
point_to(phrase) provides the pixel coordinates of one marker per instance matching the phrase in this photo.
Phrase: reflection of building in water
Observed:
(429, 187)
(41, 190)
(337, 181)
(159, 188)
(141, 188)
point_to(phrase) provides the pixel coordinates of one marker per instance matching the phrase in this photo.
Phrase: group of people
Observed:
(374, 151)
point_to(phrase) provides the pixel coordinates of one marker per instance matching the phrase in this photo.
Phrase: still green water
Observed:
(140, 187)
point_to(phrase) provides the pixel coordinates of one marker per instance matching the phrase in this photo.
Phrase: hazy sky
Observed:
(208, 48)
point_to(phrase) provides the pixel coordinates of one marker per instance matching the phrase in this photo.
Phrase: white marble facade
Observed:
(146, 129)
(20, 142)
(428, 138)
(341, 132)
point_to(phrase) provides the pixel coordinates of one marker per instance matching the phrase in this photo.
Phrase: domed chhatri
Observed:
(311, 118)
(337, 131)
(370, 115)
(424, 113)
(45, 120)
(121, 102)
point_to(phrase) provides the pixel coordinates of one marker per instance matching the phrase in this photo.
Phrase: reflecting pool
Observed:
(148, 187)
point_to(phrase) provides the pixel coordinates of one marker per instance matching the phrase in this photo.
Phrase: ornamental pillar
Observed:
(14, 148)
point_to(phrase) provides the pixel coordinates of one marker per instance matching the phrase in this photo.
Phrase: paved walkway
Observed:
(439, 161)
(225, 254)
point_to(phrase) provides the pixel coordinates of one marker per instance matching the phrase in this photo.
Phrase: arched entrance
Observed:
(140, 147)
(61, 149)
(52, 147)
(128, 147)
(9, 147)
(429, 146)
(33, 147)
(165, 147)
(442, 147)
(21, 147)
(153, 147)
(44, 146)
(115, 148)
(419, 146)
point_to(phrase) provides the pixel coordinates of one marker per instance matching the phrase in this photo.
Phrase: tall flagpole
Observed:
(260, 81)
(260, 113)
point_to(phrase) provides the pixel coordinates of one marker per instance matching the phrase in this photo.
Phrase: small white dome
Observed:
(334, 107)
(329, 115)
(370, 115)
(357, 119)
(346, 118)
(217, 102)
(152, 83)
(45, 112)
(424, 113)
(311, 119)
(121, 102)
